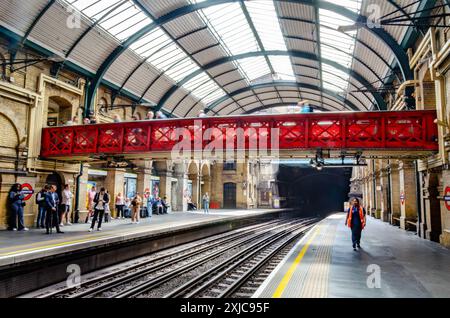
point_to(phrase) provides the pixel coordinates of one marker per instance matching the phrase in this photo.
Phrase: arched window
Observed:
(103, 105)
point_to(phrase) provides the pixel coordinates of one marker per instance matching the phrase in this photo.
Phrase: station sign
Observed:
(402, 198)
(147, 193)
(447, 198)
(27, 191)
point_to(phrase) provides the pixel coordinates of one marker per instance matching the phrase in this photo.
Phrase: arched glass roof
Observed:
(227, 55)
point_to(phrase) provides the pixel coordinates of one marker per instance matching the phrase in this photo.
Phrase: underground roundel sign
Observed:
(447, 198)
(402, 198)
(147, 193)
(27, 191)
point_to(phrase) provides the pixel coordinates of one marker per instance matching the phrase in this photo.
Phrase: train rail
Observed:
(161, 274)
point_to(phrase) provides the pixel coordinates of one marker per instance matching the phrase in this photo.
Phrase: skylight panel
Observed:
(122, 18)
(335, 46)
(283, 67)
(265, 19)
(204, 88)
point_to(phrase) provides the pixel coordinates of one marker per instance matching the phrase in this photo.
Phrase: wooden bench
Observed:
(410, 224)
(395, 221)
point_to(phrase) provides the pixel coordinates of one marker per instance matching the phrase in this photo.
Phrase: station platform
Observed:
(391, 263)
(38, 259)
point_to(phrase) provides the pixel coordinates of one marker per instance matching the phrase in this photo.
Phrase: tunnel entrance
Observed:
(314, 192)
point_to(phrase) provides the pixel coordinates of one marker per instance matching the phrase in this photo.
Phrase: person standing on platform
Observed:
(136, 204)
(356, 221)
(107, 209)
(51, 204)
(91, 196)
(100, 201)
(40, 201)
(205, 201)
(66, 213)
(120, 204)
(16, 203)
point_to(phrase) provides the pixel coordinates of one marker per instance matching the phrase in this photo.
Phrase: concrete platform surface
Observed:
(392, 263)
(22, 246)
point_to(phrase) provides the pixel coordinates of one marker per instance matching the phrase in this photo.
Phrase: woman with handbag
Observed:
(136, 208)
(16, 203)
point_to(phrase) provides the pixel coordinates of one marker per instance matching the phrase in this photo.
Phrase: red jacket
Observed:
(361, 215)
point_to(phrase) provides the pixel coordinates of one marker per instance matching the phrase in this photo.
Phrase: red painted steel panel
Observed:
(409, 130)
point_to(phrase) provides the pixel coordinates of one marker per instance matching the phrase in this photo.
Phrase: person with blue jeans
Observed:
(205, 202)
(16, 204)
(40, 200)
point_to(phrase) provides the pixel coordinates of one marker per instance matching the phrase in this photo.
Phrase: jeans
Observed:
(206, 207)
(120, 211)
(17, 215)
(41, 217)
(356, 235)
(98, 214)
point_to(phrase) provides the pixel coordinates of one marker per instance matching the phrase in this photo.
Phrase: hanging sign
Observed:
(402, 198)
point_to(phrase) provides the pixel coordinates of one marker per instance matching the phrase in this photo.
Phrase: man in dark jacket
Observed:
(100, 201)
(16, 204)
(51, 204)
(40, 200)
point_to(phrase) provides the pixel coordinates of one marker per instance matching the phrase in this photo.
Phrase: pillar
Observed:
(384, 193)
(408, 195)
(181, 187)
(395, 193)
(114, 184)
(82, 194)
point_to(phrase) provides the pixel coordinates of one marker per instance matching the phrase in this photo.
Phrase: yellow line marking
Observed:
(54, 245)
(287, 277)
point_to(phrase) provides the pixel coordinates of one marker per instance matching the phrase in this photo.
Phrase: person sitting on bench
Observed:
(158, 206)
(191, 205)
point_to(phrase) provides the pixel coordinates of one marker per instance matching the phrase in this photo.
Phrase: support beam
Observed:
(397, 50)
(300, 54)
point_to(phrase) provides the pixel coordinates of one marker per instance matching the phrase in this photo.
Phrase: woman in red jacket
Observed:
(356, 221)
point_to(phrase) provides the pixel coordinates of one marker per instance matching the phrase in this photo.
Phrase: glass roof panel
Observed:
(122, 18)
(335, 46)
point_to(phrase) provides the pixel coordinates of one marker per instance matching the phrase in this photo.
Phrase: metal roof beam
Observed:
(399, 53)
(306, 55)
(314, 92)
(288, 84)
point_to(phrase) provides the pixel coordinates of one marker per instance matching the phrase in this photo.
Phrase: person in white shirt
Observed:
(66, 202)
(100, 201)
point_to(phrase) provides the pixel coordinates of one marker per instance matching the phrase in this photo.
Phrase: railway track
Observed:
(148, 276)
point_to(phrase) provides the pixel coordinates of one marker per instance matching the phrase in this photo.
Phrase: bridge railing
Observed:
(410, 130)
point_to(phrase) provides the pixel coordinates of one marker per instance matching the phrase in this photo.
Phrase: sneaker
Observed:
(99, 229)
(354, 249)
(138, 222)
(358, 246)
(90, 230)
(69, 223)
(61, 225)
(25, 229)
(14, 229)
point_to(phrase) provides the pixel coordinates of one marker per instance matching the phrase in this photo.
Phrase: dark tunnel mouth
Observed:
(313, 192)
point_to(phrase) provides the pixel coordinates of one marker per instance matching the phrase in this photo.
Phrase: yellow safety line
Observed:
(54, 245)
(287, 277)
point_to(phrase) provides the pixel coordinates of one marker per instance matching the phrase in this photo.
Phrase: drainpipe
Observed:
(77, 194)
(389, 191)
(418, 196)
(374, 180)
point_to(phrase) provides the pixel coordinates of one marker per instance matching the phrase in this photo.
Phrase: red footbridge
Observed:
(385, 134)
